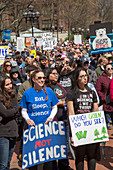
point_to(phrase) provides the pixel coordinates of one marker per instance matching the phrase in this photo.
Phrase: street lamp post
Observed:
(73, 30)
(61, 28)
(31, 16)
(53, 28)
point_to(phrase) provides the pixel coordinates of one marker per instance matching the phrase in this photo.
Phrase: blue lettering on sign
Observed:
(77, 124)
(97, 121)
(88, 123)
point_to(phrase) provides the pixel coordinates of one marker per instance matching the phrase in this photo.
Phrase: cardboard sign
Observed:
(20, 44)
(88, 128)
(7, 34)
(44, 143)
(3, 51)
(47, 39)
(28, 41)
(78, 39)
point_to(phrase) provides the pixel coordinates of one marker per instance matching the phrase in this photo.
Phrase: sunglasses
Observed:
(8, 65)
(8, 58)
(109, 68)
(39, 78)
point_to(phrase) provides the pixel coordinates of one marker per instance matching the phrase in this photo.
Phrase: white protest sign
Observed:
(88, 128)
(54, 42)
(3, 51)
(47, 39)
(20, 44)
(78, 39)
(39, 42)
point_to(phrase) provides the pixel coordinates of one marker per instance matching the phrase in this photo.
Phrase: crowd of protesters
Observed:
(70, 71)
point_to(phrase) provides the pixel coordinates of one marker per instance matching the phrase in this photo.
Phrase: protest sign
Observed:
(44, 143)
(88, 128)
(3, 51)
(101, 37)
(7, 34)
(78, 39)
(20, 44)
(33, 52)
(28, 41)
(39, 42)
(47, 39)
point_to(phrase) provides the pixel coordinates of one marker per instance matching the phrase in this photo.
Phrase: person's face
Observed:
(110, 60)
(109, 69)
(20, 60)
(85, 65)
(15, 75)
(8, 59)
(39, 79)
(53, 77)
(43, 62)
(29, 60)
(78, 52)
(8, 66)
(104, 61)
(51, 61)
(57, 63)
(8, 85)
(82, 78)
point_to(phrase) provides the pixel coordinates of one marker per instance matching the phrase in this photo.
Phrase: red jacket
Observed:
(111, 90)
(103, 88)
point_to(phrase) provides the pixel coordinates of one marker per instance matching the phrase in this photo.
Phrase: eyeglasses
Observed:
(8, 65)
(39, 78)
(110, 68)
(55, 74)
(83, 76)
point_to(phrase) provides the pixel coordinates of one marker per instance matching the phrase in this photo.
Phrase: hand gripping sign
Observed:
(44, 143)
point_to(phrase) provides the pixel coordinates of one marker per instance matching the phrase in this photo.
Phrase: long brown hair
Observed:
(6, 97)
(4, 70)
(33, 76)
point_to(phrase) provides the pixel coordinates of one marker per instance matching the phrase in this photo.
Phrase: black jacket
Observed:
(8, 125)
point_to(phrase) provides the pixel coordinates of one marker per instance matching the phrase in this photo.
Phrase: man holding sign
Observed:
(81, 99)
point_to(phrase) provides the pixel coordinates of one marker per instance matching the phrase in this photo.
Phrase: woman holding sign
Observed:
(81, 99)
(39, 105)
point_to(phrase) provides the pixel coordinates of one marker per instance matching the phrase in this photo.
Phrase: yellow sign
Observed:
(33, 52)
(3, 51)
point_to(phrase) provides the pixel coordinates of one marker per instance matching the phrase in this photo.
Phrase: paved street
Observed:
(104, 164)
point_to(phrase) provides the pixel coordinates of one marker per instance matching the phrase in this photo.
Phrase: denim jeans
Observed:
(7, 146)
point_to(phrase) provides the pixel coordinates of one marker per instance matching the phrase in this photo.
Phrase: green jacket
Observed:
(99, 71)
(24, 86)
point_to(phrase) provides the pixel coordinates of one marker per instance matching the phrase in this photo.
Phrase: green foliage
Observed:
(81, 135)
(96, 132)
(103, 130)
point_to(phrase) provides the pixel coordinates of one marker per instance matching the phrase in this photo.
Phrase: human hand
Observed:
(48, 120)
(72, 142)
(30, 122)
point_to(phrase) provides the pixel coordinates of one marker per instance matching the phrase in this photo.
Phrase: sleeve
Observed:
(69, 96)
(54, 98)
(20, 92)
(94, 97)
(23, 102)
(98, 87)
(6, 113)
(111, 90)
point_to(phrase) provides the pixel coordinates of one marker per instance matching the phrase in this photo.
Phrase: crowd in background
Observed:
(58, 68)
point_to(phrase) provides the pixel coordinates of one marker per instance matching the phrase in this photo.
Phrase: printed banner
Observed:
(78, 39)
(7, 34)
(44, 143)
(20, 44)
(47, 39)
(88, 128)
(102, 42)
(3, 51)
